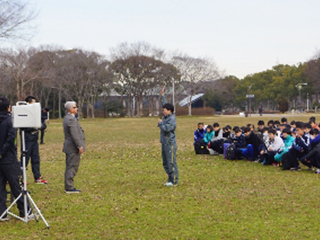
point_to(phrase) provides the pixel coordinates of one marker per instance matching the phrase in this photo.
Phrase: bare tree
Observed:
(194, 70)
(15, 66)
(15, 19)
(313, 74)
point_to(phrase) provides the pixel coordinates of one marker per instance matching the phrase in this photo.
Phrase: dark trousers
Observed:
(294, 156)
(217, 146)
(72, 166)
(41, 135)
(314, 161)
(268, 158)
(32, 149)
(10, 173)
(169, 162)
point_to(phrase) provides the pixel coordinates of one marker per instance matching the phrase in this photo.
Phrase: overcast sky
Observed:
(241, 36)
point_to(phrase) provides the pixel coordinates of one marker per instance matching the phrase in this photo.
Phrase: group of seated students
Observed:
(277, 143)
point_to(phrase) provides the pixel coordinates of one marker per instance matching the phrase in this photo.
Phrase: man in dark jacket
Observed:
(9, 166)
(32, 148)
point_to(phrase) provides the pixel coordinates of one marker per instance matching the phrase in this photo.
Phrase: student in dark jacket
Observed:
(239, 142)
(9, 166)
(312, 159)
(299, 147)
(254, 144)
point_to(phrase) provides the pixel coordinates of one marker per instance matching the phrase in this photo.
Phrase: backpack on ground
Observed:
(200, 147)
(231, 152)
(286, 163)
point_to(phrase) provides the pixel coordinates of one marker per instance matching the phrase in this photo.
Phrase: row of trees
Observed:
(271, 87)
(134, 72)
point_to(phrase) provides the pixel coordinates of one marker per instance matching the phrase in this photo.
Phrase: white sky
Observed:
(241, 36)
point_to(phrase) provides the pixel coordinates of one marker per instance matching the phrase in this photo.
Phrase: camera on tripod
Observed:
(26, 115)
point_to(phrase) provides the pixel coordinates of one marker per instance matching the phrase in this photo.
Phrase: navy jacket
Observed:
(8, 149)
(240, 142)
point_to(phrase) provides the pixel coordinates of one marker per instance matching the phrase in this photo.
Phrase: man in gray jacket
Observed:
(168, 141)
(74, 145)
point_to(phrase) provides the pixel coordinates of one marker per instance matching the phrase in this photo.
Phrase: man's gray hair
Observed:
(70, 104)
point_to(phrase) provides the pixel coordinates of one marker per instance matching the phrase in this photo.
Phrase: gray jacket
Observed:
(73, 135)
(168, 127)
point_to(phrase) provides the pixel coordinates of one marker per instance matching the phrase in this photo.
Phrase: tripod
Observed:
(24, 193)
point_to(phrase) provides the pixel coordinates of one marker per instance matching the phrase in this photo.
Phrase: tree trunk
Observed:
(189, 105)
(59, 103)
(53, 104)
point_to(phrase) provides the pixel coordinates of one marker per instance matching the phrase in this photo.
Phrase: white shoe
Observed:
(168, 184)
(7, 218)
(31, 217)
(212, 152)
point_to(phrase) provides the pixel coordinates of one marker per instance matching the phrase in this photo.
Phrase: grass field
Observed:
(121, 178)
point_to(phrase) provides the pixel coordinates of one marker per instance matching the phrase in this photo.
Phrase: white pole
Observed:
(307, 102)
(173, 100)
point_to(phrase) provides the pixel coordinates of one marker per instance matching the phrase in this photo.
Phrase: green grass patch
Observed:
(121, 178)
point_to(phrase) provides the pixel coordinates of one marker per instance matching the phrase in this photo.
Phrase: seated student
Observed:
(314, 138)
(307, 129)
(265, 136)
(284, 122)
(239, 142)
(293, 126)
(209, 134)
(216, 143)
(288, 141)
(299, 147)
(274, 145)
(313, 124)
(312, 159)
(276, 124)
(270, 123)
(199, 133)
(254, 144)
(226, 131)
(260, 126)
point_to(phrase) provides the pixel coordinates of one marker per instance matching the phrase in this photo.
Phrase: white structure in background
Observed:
(185, 102)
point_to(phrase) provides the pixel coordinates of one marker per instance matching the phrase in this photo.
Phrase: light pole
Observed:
(299, 86)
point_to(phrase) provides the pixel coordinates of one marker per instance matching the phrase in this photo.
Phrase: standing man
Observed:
(9, 166)
(44, 118)
(74, 145)
(167, 126)
(32, 148)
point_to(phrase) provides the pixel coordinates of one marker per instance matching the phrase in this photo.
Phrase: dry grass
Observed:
(121, 177)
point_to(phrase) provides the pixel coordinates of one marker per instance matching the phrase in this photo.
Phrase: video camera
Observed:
(26, 115)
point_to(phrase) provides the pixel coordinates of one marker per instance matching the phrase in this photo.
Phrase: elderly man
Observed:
(74, 145)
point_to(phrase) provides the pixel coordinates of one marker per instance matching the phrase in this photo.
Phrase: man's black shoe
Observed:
(73, 191)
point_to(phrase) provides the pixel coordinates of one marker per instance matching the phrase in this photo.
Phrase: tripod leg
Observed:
(8, 212)
(38, 210)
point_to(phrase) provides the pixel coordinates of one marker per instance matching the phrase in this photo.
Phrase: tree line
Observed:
(133, 71)
(283, 87)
